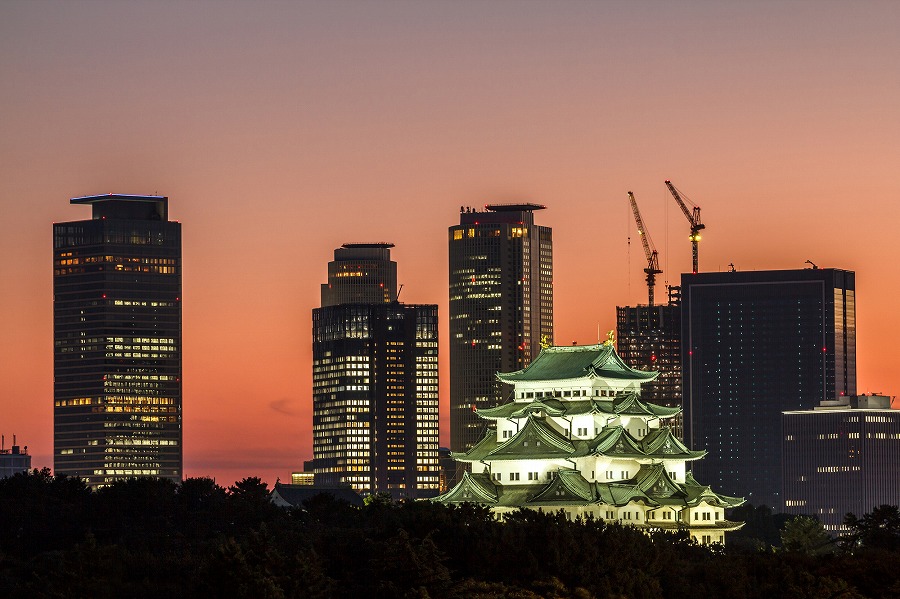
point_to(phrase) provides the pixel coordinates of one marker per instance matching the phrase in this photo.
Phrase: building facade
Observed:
(578, 437)
(841, 457)
(375, 381)
(117, 341)
(14, 460)
(649, 338)
(501, 307)
(756, 344)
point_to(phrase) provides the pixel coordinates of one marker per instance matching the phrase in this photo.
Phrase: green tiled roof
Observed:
(651, 486)
(615, 441)
(619, 494)
(534, 440)
(656, 482)
(537, 440)
(663, 443)
(567, 486)
(473, 488)
(577, 361)
(628, 404)
(697, 493)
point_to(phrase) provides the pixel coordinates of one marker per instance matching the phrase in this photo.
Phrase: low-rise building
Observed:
(841, 457)
(14, 460)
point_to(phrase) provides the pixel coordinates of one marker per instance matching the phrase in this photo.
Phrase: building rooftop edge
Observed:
(514, 207)
(115, 196)
(377, 244)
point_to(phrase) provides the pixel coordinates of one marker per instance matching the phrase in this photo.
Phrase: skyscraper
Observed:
(117, 341)
(375, 380)
(501, 307)
(756, 344)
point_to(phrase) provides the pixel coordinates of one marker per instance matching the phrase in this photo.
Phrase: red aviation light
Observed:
(103, 296)
(653, 357)
(824, 349)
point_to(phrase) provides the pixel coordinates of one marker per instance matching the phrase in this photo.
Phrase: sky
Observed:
(280, 130)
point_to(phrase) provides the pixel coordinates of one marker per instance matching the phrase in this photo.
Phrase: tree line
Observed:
(155, 538)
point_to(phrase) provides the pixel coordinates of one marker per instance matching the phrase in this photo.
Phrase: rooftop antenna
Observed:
(811, 263)
(731, 267)
(398, 291)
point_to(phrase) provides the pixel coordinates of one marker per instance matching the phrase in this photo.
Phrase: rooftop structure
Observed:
(577, 437)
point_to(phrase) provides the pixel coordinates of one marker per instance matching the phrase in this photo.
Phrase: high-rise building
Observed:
(649, 338)
(501, 308)
(756, 344)
(375, 380)
(841, 457)
(117, 341)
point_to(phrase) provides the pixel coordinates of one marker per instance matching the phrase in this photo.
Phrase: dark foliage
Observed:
(151, 538)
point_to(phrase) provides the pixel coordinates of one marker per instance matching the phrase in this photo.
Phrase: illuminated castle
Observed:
(577, 437)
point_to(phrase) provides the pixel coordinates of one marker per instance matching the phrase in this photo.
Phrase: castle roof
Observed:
(577, 361)
(628, 404)
(651, 486)
(538, 440)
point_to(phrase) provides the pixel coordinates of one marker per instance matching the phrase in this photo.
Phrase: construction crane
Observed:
(652, 255)
(693, 217)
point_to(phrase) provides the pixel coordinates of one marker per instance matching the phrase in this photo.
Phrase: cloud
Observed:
(284, 406)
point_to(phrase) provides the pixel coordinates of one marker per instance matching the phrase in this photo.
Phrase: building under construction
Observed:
(649, 338)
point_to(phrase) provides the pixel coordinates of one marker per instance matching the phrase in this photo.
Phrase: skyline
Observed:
(279, 132)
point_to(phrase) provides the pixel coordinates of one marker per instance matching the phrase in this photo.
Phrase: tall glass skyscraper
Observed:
(501, 307)
(117, 341)
(375, 380)
(756, 344)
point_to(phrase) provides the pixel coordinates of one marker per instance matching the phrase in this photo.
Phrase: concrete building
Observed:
(841, 457)
(14, 460)
(756, 344)
(117, 341)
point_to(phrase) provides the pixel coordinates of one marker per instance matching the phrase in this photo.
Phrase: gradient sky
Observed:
(280, 130)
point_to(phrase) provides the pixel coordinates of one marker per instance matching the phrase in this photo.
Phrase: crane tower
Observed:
(650, 252)
(693, 216)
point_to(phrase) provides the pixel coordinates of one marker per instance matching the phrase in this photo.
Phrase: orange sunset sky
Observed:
(280, 130)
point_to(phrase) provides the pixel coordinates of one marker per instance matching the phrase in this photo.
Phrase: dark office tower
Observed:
(501, 307)
(756, 344)
(375, 381)
(117, 341)
(649, 338)
(841, 457)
